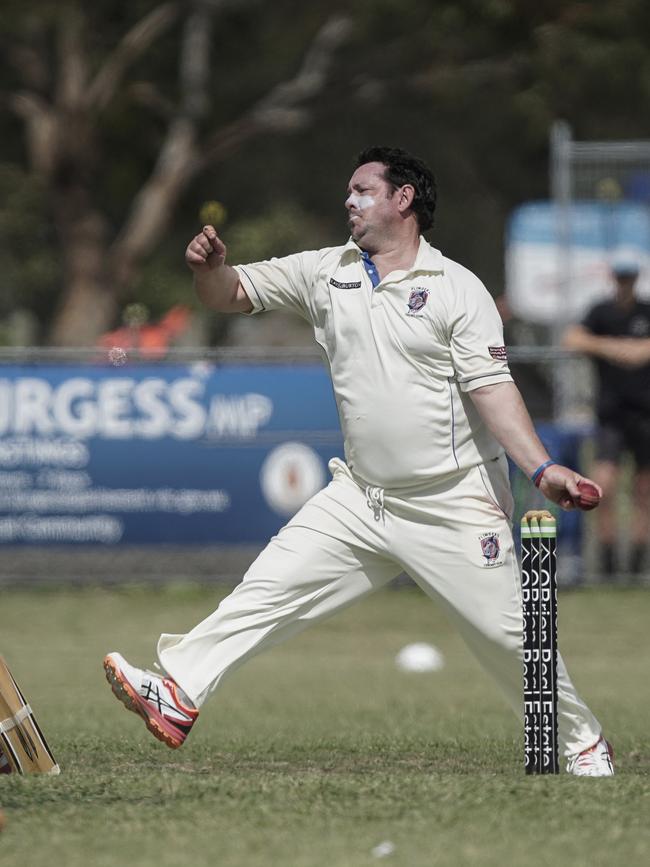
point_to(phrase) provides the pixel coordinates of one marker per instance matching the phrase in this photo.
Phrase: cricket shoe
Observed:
(154, 697)
(597, 761)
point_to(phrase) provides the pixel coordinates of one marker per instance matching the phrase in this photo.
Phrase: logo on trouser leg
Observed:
(491, 549)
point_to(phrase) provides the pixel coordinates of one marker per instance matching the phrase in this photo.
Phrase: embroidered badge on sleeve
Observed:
(498, 352)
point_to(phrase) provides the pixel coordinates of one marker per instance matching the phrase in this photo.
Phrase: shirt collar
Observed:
(428, 258)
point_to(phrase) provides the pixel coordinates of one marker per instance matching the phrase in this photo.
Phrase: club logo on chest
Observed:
(417, 300)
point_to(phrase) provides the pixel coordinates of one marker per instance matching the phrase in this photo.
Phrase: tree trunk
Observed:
(64, 134)
(155, 203)
(89, 304)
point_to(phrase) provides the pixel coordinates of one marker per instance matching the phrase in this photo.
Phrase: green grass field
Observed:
(318, 751)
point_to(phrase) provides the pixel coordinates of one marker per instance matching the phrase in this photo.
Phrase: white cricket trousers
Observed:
(348, 541)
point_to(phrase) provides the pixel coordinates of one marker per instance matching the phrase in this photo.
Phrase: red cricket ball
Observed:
(589, 496)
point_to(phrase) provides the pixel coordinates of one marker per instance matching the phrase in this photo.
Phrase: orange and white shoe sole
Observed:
(158, 726)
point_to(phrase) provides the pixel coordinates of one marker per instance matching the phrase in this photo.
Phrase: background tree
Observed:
(77, 69)
(127, 119)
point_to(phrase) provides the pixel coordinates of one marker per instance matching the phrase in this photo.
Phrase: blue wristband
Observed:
(536, 477)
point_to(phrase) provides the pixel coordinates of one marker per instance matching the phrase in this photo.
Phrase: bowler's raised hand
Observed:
(205, 251)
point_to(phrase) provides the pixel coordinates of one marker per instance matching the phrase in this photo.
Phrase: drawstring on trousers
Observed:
(375, 501)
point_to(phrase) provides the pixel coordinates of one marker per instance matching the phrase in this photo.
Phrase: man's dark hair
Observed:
(403, 168)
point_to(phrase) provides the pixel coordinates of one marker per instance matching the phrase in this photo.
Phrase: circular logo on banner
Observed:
(290, 475)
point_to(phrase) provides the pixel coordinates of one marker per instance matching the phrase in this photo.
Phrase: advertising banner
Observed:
(165, 453)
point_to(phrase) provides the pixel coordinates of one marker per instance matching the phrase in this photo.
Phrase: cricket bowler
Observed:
(428, 409)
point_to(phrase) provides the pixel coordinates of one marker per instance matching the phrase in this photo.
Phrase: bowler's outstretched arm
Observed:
(503, 410)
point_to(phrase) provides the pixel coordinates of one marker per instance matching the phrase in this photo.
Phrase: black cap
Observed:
(625, 269)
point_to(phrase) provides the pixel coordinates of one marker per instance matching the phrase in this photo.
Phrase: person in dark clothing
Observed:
(616, 334)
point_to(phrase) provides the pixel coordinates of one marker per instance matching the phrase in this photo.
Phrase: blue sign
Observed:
(160, 454)
(597, 225)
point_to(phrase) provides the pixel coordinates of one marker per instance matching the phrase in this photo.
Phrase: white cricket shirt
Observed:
(402, 356)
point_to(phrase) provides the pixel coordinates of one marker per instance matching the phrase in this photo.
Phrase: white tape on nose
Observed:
(359, 202)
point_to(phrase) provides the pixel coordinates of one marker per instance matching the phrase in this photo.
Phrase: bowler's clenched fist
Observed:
(205, 251)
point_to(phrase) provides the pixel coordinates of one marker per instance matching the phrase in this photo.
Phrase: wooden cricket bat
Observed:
(21, 741)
